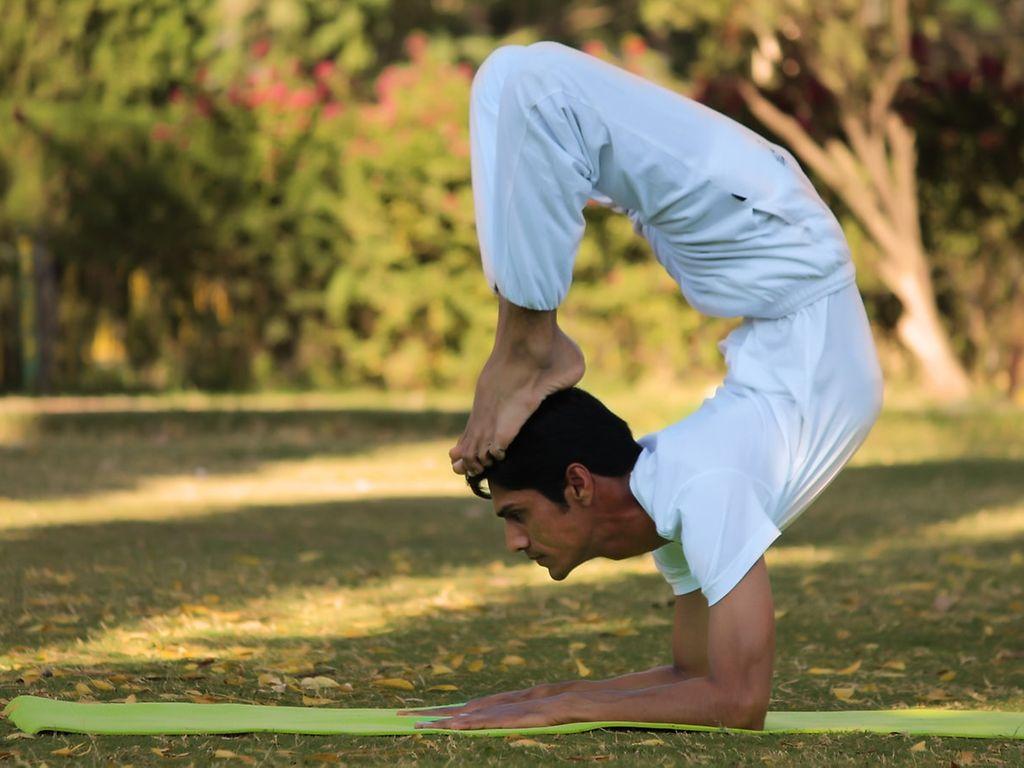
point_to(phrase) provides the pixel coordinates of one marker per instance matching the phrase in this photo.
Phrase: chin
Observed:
(560, 575)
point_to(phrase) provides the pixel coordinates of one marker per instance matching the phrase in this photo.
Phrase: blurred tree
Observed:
(860, 54)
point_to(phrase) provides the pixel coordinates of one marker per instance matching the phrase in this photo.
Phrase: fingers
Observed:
(454, 709)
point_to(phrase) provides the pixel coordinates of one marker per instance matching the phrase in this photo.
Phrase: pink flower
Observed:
(332, 110)
(416, 45)
(303, 98)
(161, 132)
(634, 45)
(260, 48)
(323, 69)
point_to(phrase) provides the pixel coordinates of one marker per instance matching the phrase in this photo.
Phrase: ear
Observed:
(579, 484)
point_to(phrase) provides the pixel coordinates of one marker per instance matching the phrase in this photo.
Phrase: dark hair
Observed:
(570, 425)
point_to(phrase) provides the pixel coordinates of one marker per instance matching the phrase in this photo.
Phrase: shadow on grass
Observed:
(87, 452)
(117, 573)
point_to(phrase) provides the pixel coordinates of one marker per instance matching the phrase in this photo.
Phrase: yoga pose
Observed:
(736, 222)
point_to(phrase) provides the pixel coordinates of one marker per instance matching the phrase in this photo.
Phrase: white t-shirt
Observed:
(711, 483)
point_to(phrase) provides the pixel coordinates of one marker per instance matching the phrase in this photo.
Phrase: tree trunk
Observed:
(920, 330)
(877, 182)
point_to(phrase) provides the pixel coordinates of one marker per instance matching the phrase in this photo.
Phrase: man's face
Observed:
(553, 536)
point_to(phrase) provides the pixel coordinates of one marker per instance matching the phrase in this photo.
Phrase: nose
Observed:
(515, 537)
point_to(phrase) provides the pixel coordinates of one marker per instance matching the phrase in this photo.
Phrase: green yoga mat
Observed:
(33, 714)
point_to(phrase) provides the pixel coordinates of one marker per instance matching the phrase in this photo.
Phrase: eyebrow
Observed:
(510, 507)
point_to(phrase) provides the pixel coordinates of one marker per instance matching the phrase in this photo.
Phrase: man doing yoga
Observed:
(736, 222)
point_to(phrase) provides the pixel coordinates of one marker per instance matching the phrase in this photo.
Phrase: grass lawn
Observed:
(225, 549)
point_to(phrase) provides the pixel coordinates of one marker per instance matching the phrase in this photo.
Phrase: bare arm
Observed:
(689, 660)
(734, 693)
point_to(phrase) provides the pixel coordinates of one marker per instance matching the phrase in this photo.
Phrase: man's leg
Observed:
(531, 357)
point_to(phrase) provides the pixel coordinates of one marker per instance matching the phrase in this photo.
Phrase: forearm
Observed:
(695, 701)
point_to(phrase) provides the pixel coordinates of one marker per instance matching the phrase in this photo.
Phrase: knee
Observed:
(494, 71)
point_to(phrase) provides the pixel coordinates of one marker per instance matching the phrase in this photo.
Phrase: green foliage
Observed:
(278, 195)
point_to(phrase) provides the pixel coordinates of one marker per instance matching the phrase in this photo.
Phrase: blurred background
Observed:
(237, 195)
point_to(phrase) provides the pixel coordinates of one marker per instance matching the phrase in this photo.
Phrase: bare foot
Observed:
(508, 391)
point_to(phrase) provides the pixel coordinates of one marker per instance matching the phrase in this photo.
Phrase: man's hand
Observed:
(531, 359)
(554, 710)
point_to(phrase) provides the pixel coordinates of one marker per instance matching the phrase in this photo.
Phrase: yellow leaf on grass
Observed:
(267, 679)
(655, 742)
(850, 669)
(476, 665)
(315, 701)
(948, 675)
(919, 747)
(456, 661)
(966, 757)
(82, 689)
(443, 688)
(321, 681)
(529, 743)
(513, 661)
(582, 668)
(227, 754)
(821, 671)
(75, 751)
(441, 669)
(395, 682)
(576, 647)
(895, 664)
(844, 693)
(102, 685)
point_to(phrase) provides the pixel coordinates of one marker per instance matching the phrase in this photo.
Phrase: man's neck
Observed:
(624, 529)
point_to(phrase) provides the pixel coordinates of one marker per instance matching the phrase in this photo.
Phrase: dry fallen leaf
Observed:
(266, 680)
(227, 754)
(529, 743)
(475, 666)
(441, 669)
(513, 661)
(947, 675)
(966, 757)
(83, 690)
(919, 747)
(895, 664)
(850, 669)
(649, 743)
(321, 681)
(315, 701)
(844, 693)
(102, 685)
(456, 661)
(75, 751)
(583, 669)
(443, 688)
(395, 682)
